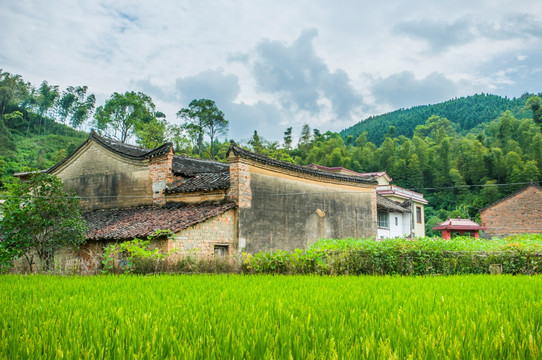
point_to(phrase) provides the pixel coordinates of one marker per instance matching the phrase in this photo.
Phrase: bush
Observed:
(428, 256)
(136, 257)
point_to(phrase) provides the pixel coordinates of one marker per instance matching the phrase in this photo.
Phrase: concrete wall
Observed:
(286, 212)
(521, 213)
(106, 180)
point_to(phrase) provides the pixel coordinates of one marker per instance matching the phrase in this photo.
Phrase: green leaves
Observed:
(124, 114)
(203, 117)
(270, 317)
(40, 218)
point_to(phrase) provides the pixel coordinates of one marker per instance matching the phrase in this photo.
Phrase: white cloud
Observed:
(265, 66)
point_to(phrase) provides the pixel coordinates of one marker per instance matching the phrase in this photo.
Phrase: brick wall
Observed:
(161, 174)
(520, 213)
(200, 239)
(240, 191)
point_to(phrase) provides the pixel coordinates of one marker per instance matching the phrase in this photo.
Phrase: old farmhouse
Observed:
(518, 213)
(252, 203)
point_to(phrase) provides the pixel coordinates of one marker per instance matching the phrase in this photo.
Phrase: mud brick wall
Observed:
(106, 180)
(288, 212)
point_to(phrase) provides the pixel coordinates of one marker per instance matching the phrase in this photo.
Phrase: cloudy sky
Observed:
(273, 64)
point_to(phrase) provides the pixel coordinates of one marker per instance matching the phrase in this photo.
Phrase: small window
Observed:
(221, 250)
(418, 214)
(396, 221)
(383, 219)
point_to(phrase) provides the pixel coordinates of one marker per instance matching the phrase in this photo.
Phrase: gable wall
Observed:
(521, 213)
(106, 180)
(287, 212)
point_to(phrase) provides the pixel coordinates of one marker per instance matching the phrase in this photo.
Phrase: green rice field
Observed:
(270, 317)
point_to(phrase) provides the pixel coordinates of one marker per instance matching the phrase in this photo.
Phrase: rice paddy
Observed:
(270, 317)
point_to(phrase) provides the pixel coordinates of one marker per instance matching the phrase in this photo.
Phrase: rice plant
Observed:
(270, 317)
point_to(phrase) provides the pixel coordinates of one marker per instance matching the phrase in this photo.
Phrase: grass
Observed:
(270, 317)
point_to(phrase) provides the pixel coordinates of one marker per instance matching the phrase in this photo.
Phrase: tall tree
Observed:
(535, 104)
(305, 139)
(203, 117)
(256, 143)
(124, 114)
(288, 139)
(13, 91)
(75, 106)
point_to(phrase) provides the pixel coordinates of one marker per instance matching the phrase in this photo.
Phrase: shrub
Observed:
(136, 257)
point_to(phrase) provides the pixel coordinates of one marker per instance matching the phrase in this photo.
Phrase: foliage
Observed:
(284, 262)
(75, 106)
(203, 117)
(270, 317)
(468, 112)
(425, 256)
(40, 218)
(124, 114)
(136, 256)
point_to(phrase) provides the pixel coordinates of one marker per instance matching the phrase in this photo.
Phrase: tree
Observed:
(535, 104)
(202, 116)
(153, 133)
(288, 139)
(256, 143)
(124, 114)
(7, 144)
(75, 105)
(39, 219)
(305, 139)
(13, 91)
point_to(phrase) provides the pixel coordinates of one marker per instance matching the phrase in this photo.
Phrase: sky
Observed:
(269, 65)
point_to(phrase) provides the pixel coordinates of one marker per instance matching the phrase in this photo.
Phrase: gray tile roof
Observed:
(201, 182)
(237, 151)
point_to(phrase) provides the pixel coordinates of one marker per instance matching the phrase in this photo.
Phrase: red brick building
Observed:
(518, 213)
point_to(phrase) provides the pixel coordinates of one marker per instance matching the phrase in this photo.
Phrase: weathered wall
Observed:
(106, 180)
(288, 212)
(521, 213)
(199, 240)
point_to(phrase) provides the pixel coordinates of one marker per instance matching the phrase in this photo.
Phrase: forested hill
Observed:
(465, 112)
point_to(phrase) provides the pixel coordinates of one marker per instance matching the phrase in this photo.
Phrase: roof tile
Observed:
(123, 224)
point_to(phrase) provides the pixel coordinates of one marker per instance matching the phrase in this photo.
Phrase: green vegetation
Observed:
(270, 317)
(427, 256)
(527, 242)
(203, 117)
(39, 218)
(467, 112)
(458, 153)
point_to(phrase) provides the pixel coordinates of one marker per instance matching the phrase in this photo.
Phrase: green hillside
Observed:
(466, 113)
